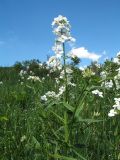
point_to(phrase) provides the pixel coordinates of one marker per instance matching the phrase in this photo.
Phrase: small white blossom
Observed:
(44, 98)
(34, 78)
(103, 74)
(22, 73)
(23, 138)
(96, 92)
(112, 113)
(116, 107)
(107, 84)
(1, 82)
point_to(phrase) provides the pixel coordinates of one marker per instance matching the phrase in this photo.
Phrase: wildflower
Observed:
(43, 78)
(34, 78)
(117, 103)
(112, 113)
(61, 90)
(97, 65)
(21, 83)
(22, 73)
(1, 82)
(96, 92)
(51, 94)
(71, 84)
(68, 70)
(23, 138)
(88, 72)
(96, 114)
(103, 74)
(117, 79)
(116, 107)
(107, 84)
(44, 98)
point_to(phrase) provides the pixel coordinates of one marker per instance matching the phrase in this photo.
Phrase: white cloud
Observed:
(84, 53)
(82, 67)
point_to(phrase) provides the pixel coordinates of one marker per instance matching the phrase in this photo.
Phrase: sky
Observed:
(26, 32)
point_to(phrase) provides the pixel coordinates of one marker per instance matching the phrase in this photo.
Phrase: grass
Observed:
(78, 129)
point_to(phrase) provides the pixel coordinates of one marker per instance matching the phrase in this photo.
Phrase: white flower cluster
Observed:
(69, 72)
(96, 92)
(62, 29)
(55, 63)
(88, 72)
(22, 73)
(116, 108)
(107, 84)
(34, 78)
(103, 74)
(52, 94)
(117, 79)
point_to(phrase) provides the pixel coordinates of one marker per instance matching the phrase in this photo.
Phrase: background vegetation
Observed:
(31, 129)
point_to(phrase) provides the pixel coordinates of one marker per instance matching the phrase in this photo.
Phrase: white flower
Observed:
(107, 84)
(43, 78)
(60, 20)
(96, 92)
(62, 29)
(1, 82)
(118, 54)
(21, 83)
(54, 62)
(23, 138)
(69, 70)
(71, 84)
(116, 60)
(50, 94)
(97, 65)
(34, 78)
(116, 107)
(112, 113)
(96, 114)
(44, 98)
(61, 90)
(22, 73)
(117, 103)
(103, 74)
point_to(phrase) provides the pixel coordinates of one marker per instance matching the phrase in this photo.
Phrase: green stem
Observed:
(64, 66)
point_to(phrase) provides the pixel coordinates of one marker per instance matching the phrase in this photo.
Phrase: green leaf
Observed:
(35, 143)
(68, 106)
(66, 126)
(62, 157)
(89, 120)
(79, 155)
(80, 106)
(3, 118)
(51, 104)
(58, 117)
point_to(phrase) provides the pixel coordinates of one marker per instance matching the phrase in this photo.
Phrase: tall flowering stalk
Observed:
(61, 28)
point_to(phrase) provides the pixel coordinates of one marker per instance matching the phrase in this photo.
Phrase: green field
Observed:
(75, 126)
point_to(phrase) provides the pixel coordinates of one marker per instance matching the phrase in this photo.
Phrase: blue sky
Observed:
(26, 33)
